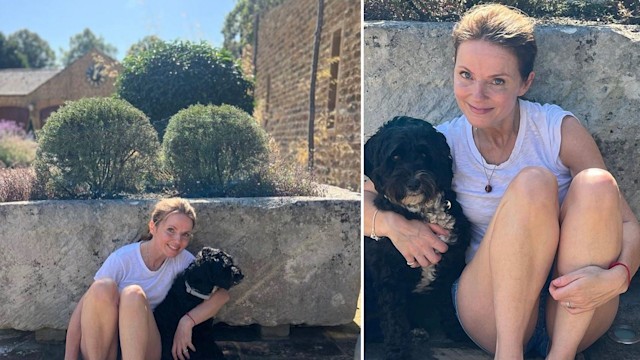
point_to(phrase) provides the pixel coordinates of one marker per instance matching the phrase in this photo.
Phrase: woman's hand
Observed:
(416, 240)
(182, 339)
(588, 288)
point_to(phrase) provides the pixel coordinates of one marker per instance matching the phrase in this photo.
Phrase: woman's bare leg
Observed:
(139, 336)
(499, 289)
(591, 234)
(99, 321)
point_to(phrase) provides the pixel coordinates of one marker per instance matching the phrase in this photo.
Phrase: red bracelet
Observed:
(626, 267)
(194, 322)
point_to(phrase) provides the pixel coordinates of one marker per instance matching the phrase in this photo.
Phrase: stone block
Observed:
(591, 71)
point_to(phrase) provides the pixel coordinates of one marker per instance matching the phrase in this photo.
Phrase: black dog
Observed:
(212, 268)
(410, 165)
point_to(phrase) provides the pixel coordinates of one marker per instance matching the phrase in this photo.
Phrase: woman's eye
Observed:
(465, 75)
(171, 230)
(498, 82)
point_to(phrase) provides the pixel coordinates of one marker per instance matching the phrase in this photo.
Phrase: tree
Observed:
(172, 76)
(82, 43)
(238, 24)
(145, 44)
(37, 51)
(9, 56)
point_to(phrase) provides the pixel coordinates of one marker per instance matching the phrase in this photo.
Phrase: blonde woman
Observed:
(554, 243)
(116, 313)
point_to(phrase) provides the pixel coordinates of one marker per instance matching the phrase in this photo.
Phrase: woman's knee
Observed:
(533, 185)
(133, 294)
(595, 185)
(103, 291)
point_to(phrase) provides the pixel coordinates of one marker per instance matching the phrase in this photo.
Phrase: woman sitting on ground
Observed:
(117, 310)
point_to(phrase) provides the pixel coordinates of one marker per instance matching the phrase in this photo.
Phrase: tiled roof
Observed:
(23, 81)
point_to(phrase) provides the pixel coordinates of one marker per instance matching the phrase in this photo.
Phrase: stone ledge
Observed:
(300, 256)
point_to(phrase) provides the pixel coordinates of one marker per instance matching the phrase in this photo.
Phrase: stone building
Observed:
(283, 60)
(29, 96)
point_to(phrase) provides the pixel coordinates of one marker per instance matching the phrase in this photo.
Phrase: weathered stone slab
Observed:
(591, 71)
(300, 256)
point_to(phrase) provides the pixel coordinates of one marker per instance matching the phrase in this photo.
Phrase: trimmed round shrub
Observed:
(209, 149)
(96, 148)
(169, 77)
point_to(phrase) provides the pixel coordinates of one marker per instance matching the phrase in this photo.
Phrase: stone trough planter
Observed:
(300, 256)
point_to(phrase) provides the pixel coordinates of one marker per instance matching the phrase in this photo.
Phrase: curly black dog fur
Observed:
(211, 268)
(410, 165)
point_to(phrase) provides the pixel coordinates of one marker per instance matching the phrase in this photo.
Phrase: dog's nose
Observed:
(413, 185)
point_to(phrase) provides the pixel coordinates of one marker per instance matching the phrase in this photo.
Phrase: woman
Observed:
(118, 307)
(554, 243)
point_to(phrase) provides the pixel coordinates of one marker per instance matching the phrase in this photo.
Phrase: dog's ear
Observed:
(236, 275)
(374, 149)
(369, 154)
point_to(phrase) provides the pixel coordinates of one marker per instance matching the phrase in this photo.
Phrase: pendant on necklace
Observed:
(488, 188)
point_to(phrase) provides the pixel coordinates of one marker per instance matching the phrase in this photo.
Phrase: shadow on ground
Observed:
(436, 346)
(238, 343)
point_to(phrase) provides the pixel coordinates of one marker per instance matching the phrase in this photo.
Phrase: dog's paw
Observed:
(419, 335)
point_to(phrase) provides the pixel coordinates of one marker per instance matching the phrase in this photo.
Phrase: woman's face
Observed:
(172, 234)
(487, 83)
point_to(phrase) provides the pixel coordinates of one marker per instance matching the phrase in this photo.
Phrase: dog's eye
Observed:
(423, 155)
(396, 157)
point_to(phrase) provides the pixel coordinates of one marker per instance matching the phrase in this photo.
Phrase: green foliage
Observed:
(9, 56)
(414, 10)
(96, 148)
(238, 24)
(17, 147)
(82, 43)
(608, 11)
(16, 151)
(37, 51)
(171, 76)
(146, 44)
(210, 149)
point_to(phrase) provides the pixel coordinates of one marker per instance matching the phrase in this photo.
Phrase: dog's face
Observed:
(213, 267)
(408, 161)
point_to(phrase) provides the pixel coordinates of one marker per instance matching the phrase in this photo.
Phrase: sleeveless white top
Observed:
(537, 144)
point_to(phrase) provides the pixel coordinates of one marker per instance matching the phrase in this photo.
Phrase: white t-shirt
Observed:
(537, 144)
(126, 267)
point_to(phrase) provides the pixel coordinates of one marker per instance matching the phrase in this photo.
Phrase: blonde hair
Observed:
(166, 207)
(501, 25)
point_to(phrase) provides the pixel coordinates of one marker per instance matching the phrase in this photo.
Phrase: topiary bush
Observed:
(96, 148)
(210, 149)
(168, 77)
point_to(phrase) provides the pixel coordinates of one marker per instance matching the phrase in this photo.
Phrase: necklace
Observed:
(488, 188)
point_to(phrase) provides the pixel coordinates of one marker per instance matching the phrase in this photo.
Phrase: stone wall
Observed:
(283, 61)
(300, 256)
(591, 71)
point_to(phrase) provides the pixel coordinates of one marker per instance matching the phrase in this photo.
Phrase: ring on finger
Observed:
(568, 305)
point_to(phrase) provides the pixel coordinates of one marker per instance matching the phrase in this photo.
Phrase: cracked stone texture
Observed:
(591, 71)
(300, 256)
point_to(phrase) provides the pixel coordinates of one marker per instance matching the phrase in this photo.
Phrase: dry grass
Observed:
(336, 161)
(19, 185)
